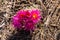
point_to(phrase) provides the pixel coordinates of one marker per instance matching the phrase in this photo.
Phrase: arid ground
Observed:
(47, 29)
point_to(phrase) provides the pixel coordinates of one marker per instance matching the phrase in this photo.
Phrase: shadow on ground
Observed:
(58, 36)
(21, 35)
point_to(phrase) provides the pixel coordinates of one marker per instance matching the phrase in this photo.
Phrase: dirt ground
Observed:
(48, 29)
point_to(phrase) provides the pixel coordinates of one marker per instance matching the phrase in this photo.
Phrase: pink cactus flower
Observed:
(26, 19)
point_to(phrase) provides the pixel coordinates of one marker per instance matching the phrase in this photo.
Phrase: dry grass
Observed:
(50, 12)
